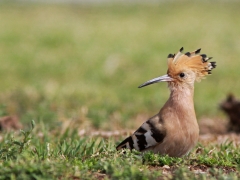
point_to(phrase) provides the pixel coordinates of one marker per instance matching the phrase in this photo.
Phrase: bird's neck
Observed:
(181, 97)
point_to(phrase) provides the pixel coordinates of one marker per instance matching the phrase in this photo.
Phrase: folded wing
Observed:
(149, 134)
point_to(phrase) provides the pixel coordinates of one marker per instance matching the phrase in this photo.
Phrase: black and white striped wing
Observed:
(149, 134)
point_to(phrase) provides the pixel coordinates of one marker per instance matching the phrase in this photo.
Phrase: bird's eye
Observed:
(181, 75)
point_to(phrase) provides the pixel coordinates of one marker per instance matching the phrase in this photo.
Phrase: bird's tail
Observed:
(127, 143)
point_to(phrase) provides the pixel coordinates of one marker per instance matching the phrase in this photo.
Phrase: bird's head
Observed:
(185, 69)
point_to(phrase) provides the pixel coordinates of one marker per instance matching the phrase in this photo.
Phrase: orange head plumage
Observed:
(185, 68)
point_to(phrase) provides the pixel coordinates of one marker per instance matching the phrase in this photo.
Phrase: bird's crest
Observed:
(190, 60)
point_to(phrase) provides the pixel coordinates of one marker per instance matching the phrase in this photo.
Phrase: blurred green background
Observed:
(83, 63)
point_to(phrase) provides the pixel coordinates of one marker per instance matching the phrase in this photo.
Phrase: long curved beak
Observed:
(163, 78)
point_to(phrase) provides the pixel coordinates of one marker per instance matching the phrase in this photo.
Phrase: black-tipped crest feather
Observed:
(188, 54)
(198, 51)
(213, 64)
(181, 49)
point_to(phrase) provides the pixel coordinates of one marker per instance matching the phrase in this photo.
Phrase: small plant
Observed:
(156, 159)
(11, 148)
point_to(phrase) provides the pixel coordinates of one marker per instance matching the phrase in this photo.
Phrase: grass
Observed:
(74, 67)
(27, 155)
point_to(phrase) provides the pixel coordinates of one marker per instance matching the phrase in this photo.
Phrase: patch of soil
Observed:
(231, 106)
(10, 123)
(213, 126)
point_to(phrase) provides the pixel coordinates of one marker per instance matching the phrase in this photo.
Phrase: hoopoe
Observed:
(174, 130)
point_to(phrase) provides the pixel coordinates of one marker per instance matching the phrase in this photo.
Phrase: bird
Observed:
(174, 130)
